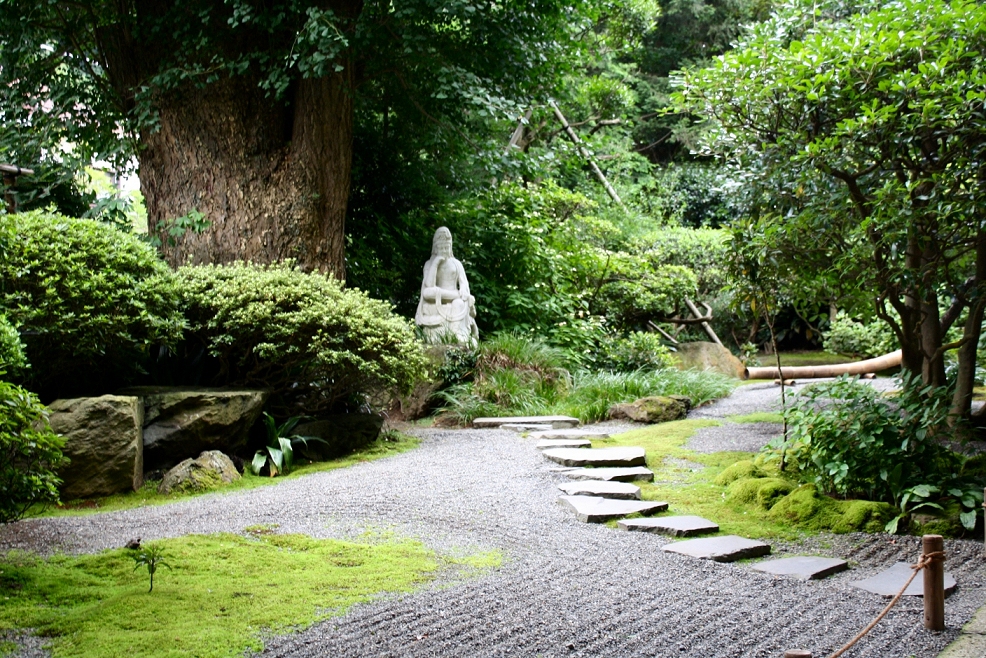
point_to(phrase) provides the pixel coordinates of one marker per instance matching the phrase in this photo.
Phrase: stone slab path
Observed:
(554, 422)
(803, 568)
(572, 434)
(889, 582)
(613, 457)
(675, 526)
(634, 474)
(601, 488)
(594, 509)
(546, 444)
(728, 548)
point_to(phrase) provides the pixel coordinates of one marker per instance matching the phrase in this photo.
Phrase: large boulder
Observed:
(180, 423)
(341, 433)
(656, 409)
(104, 443)
(210, 470)
(708, 356)
(420, 400)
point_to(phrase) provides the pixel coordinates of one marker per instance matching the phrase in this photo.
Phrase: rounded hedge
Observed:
(30, 453)
(13, 361)
(88, 300)
(318, 347)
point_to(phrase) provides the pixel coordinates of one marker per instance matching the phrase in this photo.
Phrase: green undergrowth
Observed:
(737, 490)
(805, 358)
(220, 596)
(759, 417)
(391, 443)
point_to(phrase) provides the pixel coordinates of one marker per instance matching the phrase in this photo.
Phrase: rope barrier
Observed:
(923, 562)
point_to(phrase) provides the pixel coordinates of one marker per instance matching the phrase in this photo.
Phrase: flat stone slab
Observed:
(676, 526)
(633, 474)
(593, 509)
(555, 422)
(571, 434)
(597, 456)
(803, 568)
(602, 488)
(889, 582)
(719, 549)
(547, 444)
(524, 427)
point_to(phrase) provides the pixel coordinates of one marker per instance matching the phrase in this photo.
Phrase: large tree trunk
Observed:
(965, 379)
(272, 178)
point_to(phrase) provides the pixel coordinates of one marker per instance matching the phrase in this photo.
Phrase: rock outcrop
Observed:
(708, 356)
(656, 409)
(342, 433)
(104, 441)
(210, 470)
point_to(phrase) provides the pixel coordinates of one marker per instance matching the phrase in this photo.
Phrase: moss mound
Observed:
(739, 471)
(810, 510)
(762, 491)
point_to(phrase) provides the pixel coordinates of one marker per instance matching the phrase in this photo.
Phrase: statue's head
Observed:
(441, 244)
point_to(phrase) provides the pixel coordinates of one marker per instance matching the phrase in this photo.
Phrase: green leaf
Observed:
(257, 465)
(968, 519)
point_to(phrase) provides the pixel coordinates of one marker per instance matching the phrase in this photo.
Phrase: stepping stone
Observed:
(803, 568)
(562, 469)
(889, 582)
(524, 427)
(719, 549)
(556, 422)
(597, 456)
(571, 434)
(546, 444)
(634, 474)
(593, 509)
(602, 488)
(676, 526)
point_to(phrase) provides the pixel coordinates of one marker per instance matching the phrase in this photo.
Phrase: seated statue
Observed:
(446, 310)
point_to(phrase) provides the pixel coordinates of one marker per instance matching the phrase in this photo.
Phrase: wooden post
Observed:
(797, 653)
(585, 154)
(934, 584)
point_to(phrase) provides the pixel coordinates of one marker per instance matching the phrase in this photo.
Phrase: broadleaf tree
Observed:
(243, 110)
(861, 130)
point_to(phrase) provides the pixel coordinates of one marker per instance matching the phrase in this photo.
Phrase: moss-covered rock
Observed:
(654, 409)
(806, 508)
(763, 491)
(212, 469)
(738, 471)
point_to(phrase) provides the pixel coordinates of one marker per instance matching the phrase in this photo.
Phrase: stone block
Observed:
(571, 434)
(675, 526)
(633, 474)
(210, 470)
(889, 582)
(593, 509)
(803, 568)
(708, 356)
(719, 549)
(104, 443)
(342, 434)
(602, 489)
(655, 409)
(597, 456)
(556, 422)
(547, 444)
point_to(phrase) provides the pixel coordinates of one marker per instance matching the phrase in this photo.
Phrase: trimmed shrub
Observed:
(638, 351)
(30, 453)
(12, 358)
(704, 251)
(317, 347)
(88, 300)
(847, 336)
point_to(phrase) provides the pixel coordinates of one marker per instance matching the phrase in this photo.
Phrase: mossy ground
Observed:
(744, 501)
(805, 358)
(393, 443)
(221, 595)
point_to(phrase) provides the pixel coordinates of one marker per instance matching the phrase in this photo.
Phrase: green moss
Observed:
(807, 508)
(763, 492)
(738, 471)
(396, 443)
(221, 594)
(759, 417)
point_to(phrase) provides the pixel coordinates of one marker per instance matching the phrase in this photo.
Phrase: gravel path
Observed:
(565, 588)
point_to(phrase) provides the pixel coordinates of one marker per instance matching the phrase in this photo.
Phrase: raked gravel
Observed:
(565, 588)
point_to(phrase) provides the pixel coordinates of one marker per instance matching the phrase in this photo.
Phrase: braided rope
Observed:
(923, 562)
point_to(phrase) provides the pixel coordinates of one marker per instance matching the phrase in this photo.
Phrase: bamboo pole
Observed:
(934, 583)
(705, 325)
(813, 372)
(797, 653)
(585, 154)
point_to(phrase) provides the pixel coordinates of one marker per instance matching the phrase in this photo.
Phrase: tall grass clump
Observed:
(593, 393)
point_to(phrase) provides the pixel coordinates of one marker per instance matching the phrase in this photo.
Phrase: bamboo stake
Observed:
(585, 154)
(934, 583)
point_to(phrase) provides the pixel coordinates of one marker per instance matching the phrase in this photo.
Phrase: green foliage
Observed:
(278, 456)
(316, 345)
(150, 556)
(850, 441)
(85, 298)
(638, 351)
(30, 453)
(848, 336)
(635, 290)
(13, 361)
(226, 593)
(705, 251)
(174, 229)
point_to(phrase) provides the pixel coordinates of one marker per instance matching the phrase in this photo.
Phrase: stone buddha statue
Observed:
(446, 310)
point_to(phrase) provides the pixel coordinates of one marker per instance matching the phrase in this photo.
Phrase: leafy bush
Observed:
(317, 346)
(851, 441)
(30, 453)
(704, 251)
(848, 336)
(86, 298)
(638, 351)
(12, 358)
(637, 290)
